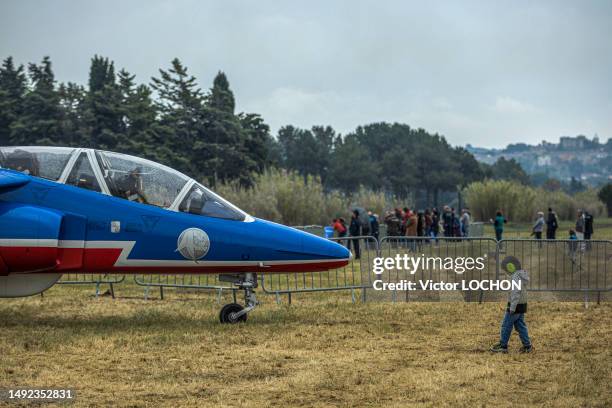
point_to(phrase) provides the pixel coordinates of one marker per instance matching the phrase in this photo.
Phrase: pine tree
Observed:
(260, 145)
(180, 102)
(221, 96)
(73, 102)
(13, 86)
(143, 134)
(104, 115)
(223, 141)
(41, 117)
(305, 152)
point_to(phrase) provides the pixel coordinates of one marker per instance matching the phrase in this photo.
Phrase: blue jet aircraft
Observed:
(72, 210)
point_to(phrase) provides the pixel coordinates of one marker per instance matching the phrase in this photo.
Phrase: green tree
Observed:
(222, 147)
(398, 174)
(260, 145)
(504, 169)
(300, 151)
(104, 116)
(469, 168)
(325, 137)
(351, 166)
(575, 186)
(73, 102)
(180, 103)
(408, 161)
(142, 133)
(605, 195)
(221, 96)
(41, 116)
(13, 86)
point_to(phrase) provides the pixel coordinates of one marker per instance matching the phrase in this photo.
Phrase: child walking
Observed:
(517, 307)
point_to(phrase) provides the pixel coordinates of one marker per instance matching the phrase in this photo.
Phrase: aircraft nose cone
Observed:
(339, 251)
(324, 247)
(279, 243)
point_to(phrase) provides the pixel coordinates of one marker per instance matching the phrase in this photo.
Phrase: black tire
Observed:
(225, 316)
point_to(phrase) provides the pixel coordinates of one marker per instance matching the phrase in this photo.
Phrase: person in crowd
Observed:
(498, 224)
(354, 231)
(344, 224)
(456, 224)
(428, 222)
(588, 229)
(400, 216)
(365, 224)
(516, 309)
(580, 225)
(392, 222)
(552, 223)
(435, 224)
(411, 225)
(411, 229)
(573, 244)
(538, 227)
(588, 225)
(420, 228)
(447, 221)
(339, 228)
(465, 222)
(374, 227)
(405, 214)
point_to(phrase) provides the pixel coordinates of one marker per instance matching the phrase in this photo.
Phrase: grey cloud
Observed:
(480, 72)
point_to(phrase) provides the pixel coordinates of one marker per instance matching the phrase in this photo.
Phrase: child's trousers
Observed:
(516, 320)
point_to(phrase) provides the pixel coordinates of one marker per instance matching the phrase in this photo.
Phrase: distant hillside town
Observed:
(580, 158)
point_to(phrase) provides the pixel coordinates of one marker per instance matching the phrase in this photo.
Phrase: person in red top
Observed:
(339, 227)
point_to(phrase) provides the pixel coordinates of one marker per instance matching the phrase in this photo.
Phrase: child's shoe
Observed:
(526, 349)
(498, 348)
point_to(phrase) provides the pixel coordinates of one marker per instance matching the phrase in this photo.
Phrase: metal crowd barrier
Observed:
(93, 279)
(439, 259)
(183, 281)
(476, 230)
(356, 275)
(579, 266)
(555, 267)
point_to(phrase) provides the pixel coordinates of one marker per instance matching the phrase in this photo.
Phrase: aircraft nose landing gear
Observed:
(233, 312)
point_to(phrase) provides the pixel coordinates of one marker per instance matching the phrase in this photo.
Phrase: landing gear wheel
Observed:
(234, 313)
(228, 312)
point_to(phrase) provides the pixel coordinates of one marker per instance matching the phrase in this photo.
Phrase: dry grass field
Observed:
(320, 351)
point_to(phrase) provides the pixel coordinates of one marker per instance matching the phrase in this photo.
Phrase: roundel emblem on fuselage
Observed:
(193, 244)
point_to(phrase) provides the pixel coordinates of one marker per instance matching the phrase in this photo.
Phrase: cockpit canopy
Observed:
(121, 176)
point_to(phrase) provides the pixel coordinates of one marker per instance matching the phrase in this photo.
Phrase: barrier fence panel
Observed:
(446, 259)
(92, 279)
(356, 275)
(558, 270)
(183, 281)
(567, 269)
(476, 230)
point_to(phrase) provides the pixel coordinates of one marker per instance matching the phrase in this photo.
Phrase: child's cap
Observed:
(511, 264)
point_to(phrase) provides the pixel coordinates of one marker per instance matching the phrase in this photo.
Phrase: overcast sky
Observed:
(486, 73)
